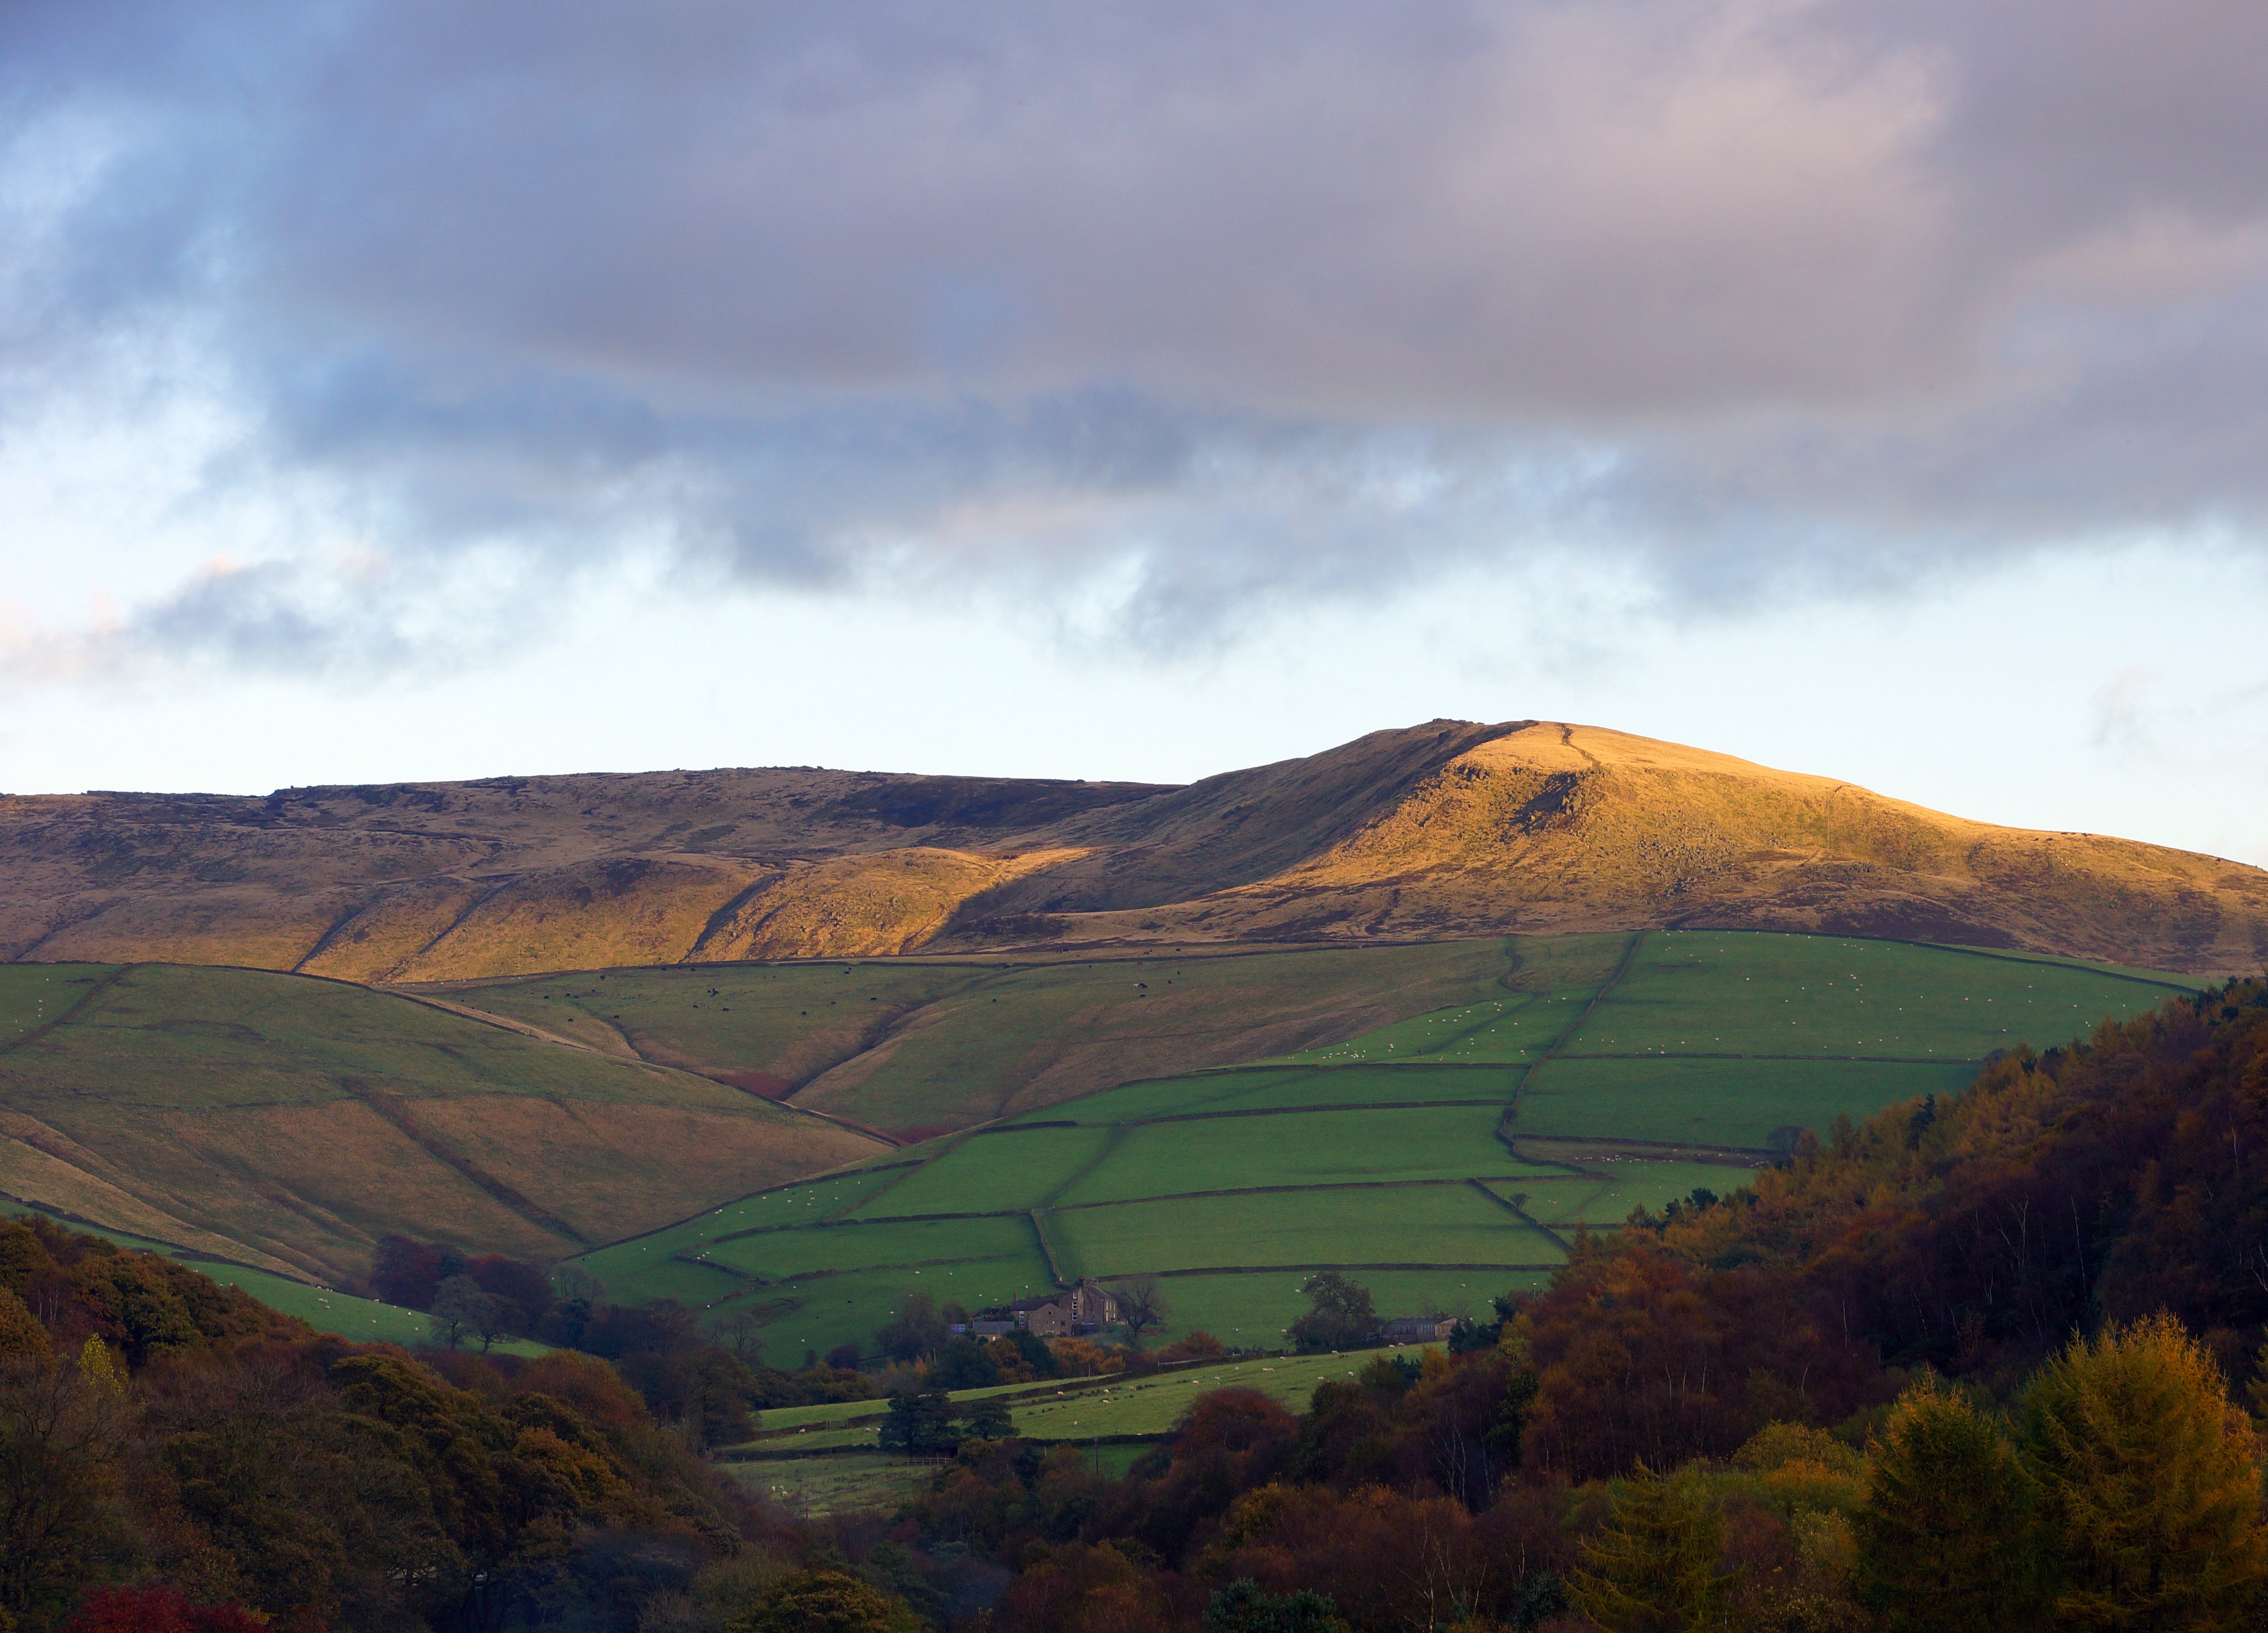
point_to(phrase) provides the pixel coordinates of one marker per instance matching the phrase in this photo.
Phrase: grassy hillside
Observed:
(1438, 1158)
(1445, 830)
(819, 1459)
(289, 1122)
(325, 1309)
(924, 1047)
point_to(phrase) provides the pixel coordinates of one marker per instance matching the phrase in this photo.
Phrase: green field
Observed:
(829, 1485)
(1119, 1405)
(1814, 996)
(1608, 1187)
(775, 1255)
(1283, 1088)
(32, 995)
(1594, 1080)
(987, 1173)
(1715, 1102)
(1412, 1224)
(1319, 1147)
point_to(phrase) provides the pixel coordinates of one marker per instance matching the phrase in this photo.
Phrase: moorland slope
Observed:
(1445, 830)
(287, 1124)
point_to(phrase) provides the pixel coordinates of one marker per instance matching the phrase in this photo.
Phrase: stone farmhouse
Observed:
(1404, 1329)
(1082, 1309)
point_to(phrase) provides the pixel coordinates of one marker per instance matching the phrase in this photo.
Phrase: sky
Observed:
(397, 390)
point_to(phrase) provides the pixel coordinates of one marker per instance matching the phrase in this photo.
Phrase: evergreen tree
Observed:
(988, 1419)
(1653, 1566)
(920, 1424)
(2150, 1480)
(1241, 1608)
(1946, 1539)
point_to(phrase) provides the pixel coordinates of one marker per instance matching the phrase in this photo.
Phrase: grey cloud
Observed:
(1234, 303)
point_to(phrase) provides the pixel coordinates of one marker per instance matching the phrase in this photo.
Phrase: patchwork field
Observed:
(288, 1121)
(915, 1047)
(1439, 1159)
(1498, 1095)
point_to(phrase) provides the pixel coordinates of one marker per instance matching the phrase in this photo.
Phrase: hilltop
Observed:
(1447, 830)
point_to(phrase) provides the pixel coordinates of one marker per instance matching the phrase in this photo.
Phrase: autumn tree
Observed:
(1946, 1536)
(2149, 1480)
(1340, 1315)
(20, 1332)
(829, 1602)
(463, 1310)
(1652, 1567)
(917, 1329)
(1141, 1307)
(63, 1435)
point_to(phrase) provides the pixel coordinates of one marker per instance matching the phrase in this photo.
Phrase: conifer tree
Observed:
(2150, 1480)
(1652, 1567)
(1947, 1538)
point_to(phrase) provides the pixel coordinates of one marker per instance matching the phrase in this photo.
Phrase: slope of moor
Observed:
(286, 1122)
(918, 1046)
(1437, 1159)
(1448, 829)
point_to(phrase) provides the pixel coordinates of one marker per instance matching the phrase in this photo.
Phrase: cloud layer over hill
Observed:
(1214, 307)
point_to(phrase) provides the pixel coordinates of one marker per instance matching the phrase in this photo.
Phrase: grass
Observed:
(1053, 1409)
(831, 1485)
(816, 1314)
(1614, 1186)
(1715, 1102)
(1819, 998)
(804, 1202)
(304, 1118)
(1282, 1088)
(779, 1255)
(988, 1173)
(1153, 1405)
(1297, 1148)
(32, 995)
(790, 1020)
(1511, 1031)
(1413, 1224)
(931, 1045)
(1257, 1309)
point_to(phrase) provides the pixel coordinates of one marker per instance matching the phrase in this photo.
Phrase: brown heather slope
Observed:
(1444, 830)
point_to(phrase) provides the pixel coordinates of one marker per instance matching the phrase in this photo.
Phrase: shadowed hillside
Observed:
(1448, 829)
(289, 1123)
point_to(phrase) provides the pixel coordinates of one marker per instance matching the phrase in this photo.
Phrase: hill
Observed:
(287, 1122)
(1445, 830)
(1440, 1161)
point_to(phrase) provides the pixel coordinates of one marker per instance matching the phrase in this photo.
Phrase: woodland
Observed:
(1991, 1359)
